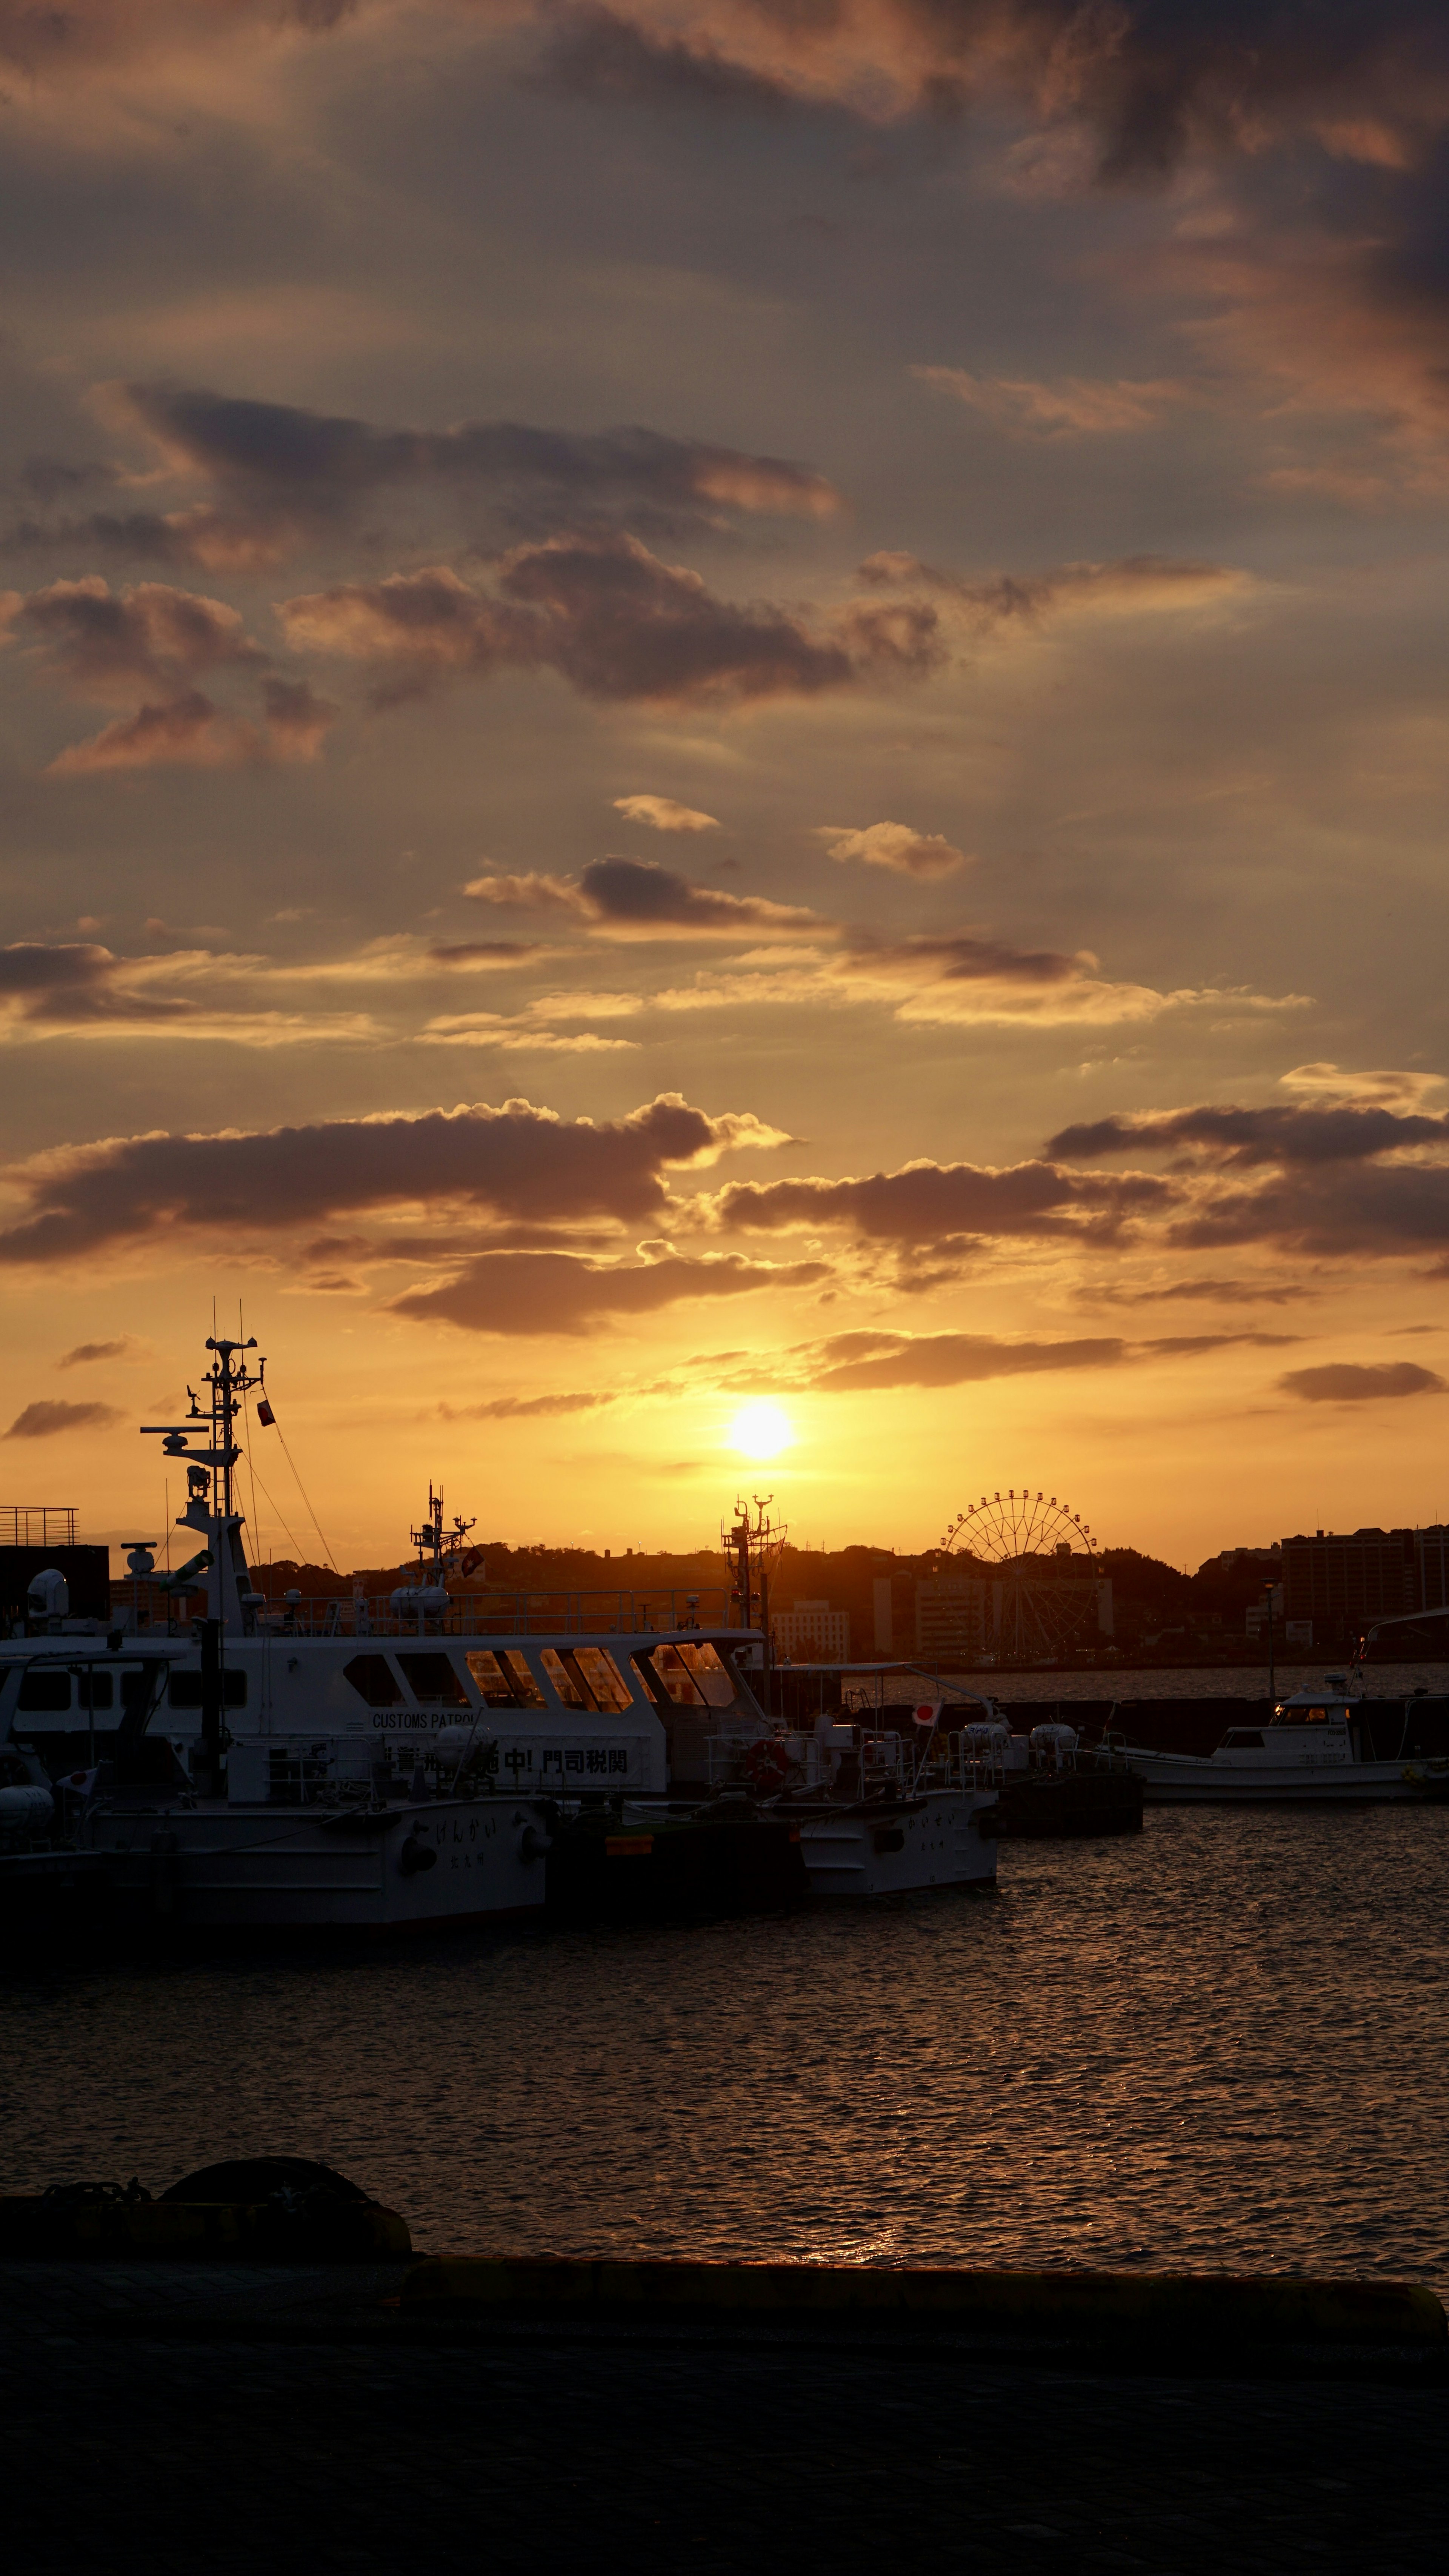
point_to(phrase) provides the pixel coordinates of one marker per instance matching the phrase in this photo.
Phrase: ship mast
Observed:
(210, 1470)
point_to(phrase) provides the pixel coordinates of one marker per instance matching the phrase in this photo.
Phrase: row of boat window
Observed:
(692, 1676)
(44, 1690)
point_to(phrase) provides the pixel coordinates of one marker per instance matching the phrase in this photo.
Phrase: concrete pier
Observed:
(230, 2416)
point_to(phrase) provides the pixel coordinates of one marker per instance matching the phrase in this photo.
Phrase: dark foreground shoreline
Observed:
(248, 2418)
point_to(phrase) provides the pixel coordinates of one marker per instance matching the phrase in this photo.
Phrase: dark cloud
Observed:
(40, 1421)
(283, 478)
(554, 1292)
(32, 968)
(516, 1161)
(611, 618)
(70, 984)
(1004, 599)
(639, 898)
(945, 1205)
(956, 958)
(1339, 1134)
(116, 644)
(593, 54)
(1327, 1181)
(1345, 1382)
(84, 1352)
(482, 952)
(1206, 1292)
(851, 1361)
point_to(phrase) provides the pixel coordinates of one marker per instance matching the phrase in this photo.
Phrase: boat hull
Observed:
(935, 1840)
(1184, 1779)
(225, 1867)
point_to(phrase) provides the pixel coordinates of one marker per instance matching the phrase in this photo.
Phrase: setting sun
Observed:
(761, 1430)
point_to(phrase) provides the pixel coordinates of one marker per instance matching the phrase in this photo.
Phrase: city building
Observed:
(1028, 1617)
(810, 1632)
(1341, 1582)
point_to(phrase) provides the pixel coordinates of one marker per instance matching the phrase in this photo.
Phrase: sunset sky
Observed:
(718, 706)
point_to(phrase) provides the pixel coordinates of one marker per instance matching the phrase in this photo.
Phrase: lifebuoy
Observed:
(767, 1764)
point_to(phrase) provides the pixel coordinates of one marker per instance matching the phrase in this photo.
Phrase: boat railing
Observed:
(492, 1612)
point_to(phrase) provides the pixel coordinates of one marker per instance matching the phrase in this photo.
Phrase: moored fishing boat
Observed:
(1326, 1746)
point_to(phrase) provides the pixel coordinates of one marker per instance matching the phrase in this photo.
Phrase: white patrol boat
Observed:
(353, 1764)
(1328, 1746)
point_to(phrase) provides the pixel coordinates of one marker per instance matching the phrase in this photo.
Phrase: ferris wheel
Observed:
(1040, 1558)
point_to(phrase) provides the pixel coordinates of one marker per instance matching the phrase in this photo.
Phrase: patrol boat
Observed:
(1328, 1746)
(355, 1763)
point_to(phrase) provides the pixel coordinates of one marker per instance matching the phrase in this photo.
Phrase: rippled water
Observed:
(1221, 2041)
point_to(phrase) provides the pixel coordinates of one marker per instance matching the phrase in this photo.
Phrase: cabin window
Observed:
(505, 1681)
(373, 1679)
(95, 1690)
(432, 1677)
(525, 1680)
(604, 1679)
(669, 1666)
(710, 1673)
(566, 1678)
(186, 1689)
(48, 1691)
(1315, 1717)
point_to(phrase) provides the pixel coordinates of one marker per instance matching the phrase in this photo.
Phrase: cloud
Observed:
(1130, 586)
(961, 977)
(640, 899)
(42, 1420)
(514, 1036)
(283, 478)
(84, 1352)
(518, 1408)
(1344, 1382)
(954, 979)
(511, 1162)
(115, 644)
(472, 956)
(896, 846)
(1322, 1181)
(1384, 1089)
(1073, 408)
(191, 733)
(1207, 1292)
(614, 621)
(80, 989)
(592, 53)
(942, 1204)
(556, 1292)
(851, 1363)
(664, 815)
(1246, 1137)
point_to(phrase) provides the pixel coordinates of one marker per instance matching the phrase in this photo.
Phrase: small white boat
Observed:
(887, 1800)
(1326, 1746)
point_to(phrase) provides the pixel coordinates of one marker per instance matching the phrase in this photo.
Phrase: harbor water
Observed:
(1219, 2042)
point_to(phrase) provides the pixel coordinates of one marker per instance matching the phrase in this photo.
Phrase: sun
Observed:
(761, 1430)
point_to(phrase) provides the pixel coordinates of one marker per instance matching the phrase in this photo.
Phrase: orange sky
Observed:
(701, 707)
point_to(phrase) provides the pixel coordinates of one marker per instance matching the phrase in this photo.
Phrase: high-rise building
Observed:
(1342, 1582)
